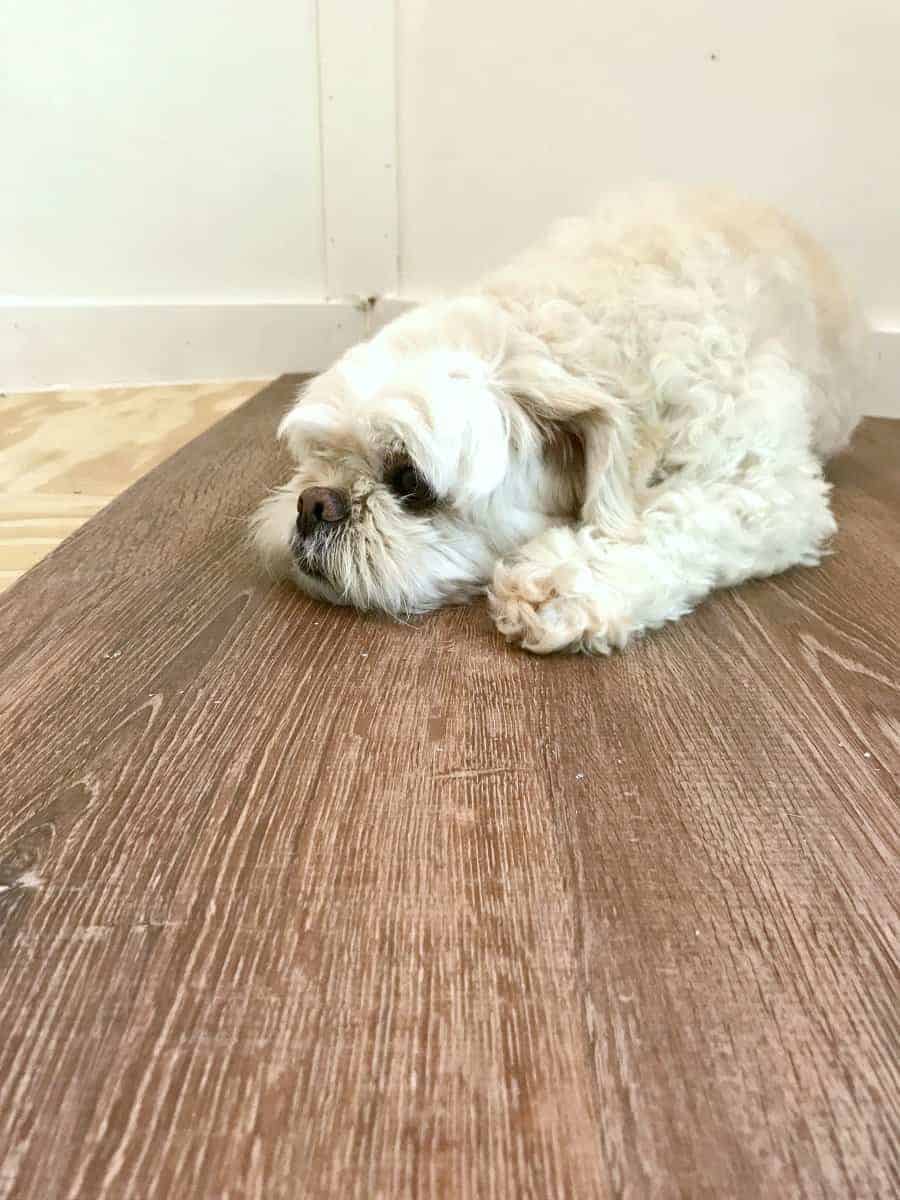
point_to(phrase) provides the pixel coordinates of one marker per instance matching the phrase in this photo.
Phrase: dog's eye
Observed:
(410, 488)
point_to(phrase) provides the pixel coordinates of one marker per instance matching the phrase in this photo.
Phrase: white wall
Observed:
(207, 188)
(161, 149)
(512, 114)
(161, 165)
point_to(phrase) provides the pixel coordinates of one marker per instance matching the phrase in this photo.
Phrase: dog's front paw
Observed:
(555, 624)
(547, 607)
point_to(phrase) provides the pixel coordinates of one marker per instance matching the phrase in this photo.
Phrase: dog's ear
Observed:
(312, 413)
(566, 405)
(608, 500)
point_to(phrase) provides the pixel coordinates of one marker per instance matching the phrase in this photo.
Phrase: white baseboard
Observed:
(80, 344)
(885, 398)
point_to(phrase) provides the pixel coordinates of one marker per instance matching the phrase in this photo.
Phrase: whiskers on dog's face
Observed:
(396, 544)
(408, 488)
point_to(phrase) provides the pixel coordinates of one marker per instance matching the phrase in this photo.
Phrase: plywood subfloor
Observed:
(297, 903)
(66, 454)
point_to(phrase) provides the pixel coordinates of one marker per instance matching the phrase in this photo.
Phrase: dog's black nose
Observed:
(320, 506)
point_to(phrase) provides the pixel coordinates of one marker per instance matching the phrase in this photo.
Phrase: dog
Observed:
(630, 414)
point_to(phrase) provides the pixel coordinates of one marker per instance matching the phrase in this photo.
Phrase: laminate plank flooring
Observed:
(300, 903)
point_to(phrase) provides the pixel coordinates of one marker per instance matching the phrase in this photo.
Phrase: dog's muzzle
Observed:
(319, 506)
(321, 513)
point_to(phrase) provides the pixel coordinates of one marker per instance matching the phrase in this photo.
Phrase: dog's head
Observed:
(422, 457)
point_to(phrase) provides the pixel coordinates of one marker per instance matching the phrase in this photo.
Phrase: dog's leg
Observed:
(574, 588)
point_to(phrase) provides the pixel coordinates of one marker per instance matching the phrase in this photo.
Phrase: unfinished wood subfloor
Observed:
(65, 454)
(301, 904)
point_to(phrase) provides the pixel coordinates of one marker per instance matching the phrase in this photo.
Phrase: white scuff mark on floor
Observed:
(28, 879)
(9, 1168)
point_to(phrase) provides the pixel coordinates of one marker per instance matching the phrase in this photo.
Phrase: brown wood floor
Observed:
(296, 903)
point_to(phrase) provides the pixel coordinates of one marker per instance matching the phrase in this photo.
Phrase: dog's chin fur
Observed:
(630, 414)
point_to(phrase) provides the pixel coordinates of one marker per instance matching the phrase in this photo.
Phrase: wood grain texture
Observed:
(66, 454)
(304, 904)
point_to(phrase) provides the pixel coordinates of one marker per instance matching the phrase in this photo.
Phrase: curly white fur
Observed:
(629, 415)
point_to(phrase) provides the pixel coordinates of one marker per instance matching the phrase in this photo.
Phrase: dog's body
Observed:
(630, 414)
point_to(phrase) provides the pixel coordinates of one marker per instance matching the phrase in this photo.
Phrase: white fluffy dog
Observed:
(631, 414)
